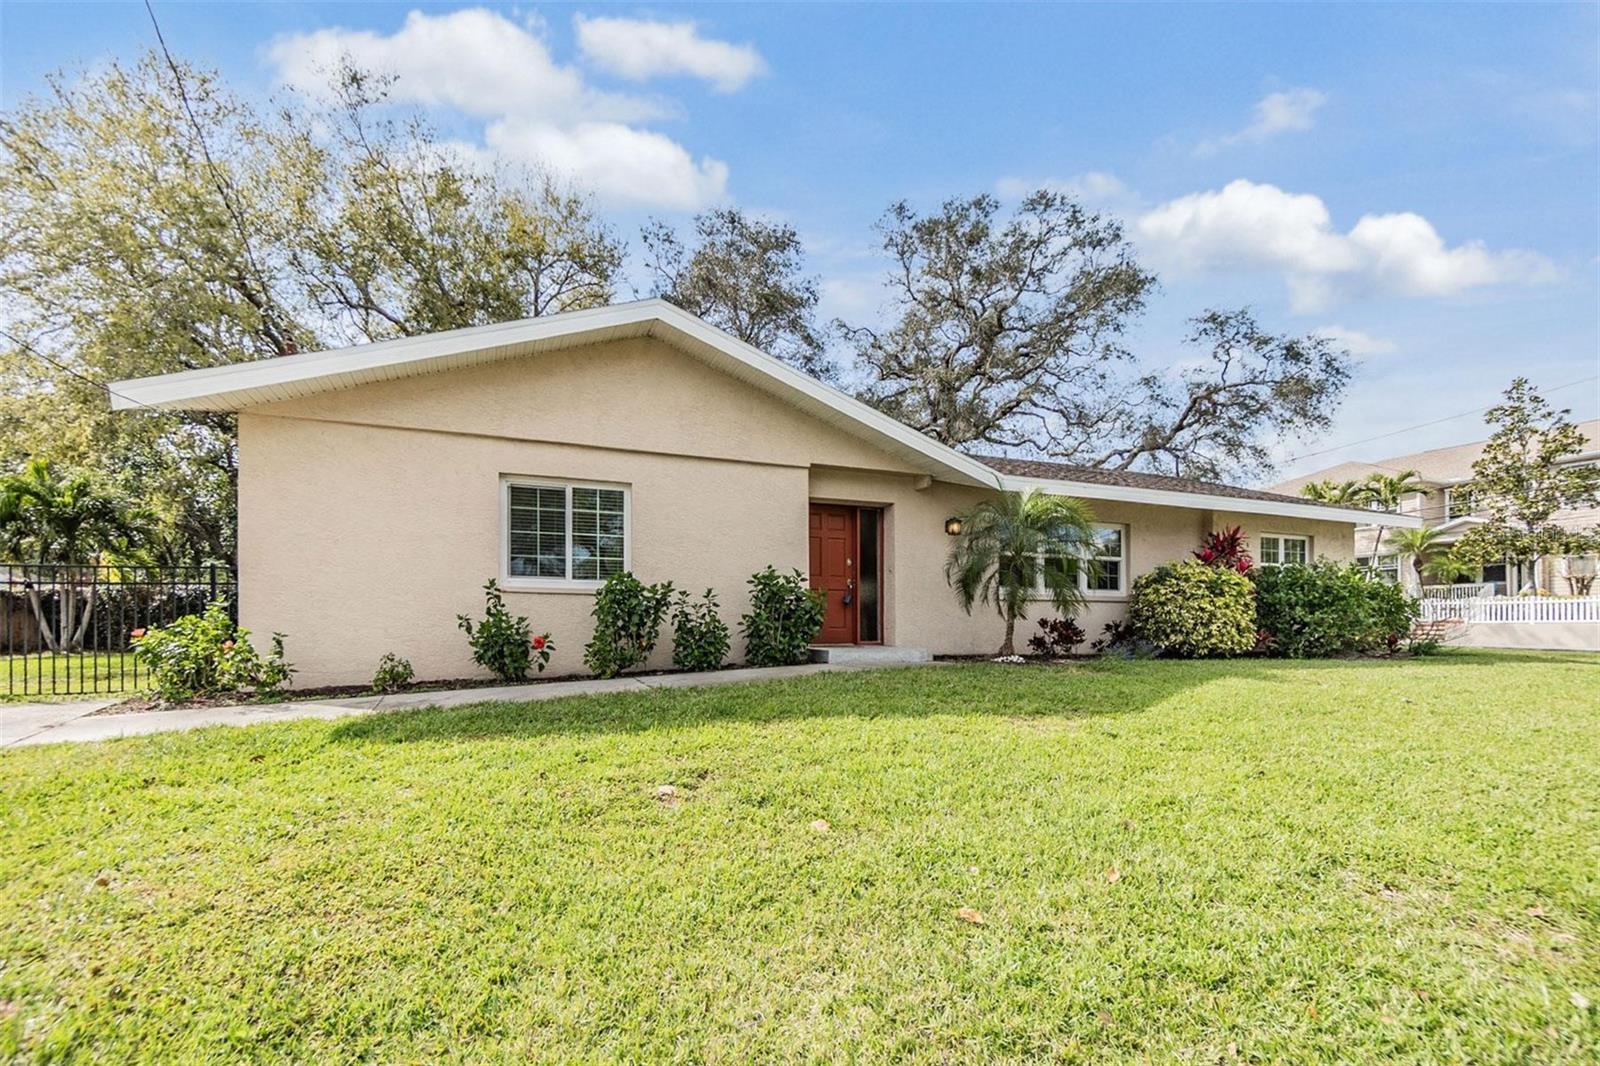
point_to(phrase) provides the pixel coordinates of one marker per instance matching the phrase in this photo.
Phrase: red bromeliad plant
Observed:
(1226, 550)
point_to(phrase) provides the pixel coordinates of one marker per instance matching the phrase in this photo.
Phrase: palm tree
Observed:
(1384, 491)
(49, 518)
(1417, 543)
(1344, 493)
(1011, 545)
(1448, 567)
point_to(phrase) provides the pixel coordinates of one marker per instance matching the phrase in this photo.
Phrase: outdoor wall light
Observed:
(952, 526)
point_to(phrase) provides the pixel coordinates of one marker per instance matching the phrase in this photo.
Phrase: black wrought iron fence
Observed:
(66, 629)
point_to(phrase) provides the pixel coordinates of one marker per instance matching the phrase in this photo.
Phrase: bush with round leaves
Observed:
(1193, 610)
(785, 617)
(205, 654)
(627, 622)
(699, 635)
(1325, 608)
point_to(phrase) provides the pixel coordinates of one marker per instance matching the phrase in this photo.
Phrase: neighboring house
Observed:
(1447, 504)
(381, 485)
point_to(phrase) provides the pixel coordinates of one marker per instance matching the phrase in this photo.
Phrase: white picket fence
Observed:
(1513, 609)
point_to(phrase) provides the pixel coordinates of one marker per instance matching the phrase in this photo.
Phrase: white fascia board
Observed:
(1200, 500)
(238, 380)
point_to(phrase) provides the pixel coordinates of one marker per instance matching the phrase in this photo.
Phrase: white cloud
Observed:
(1091, 187)
(619, 163)
(1355, 341)
(1289, 111)
(640, 49)
(1251, 226)
(535, 110)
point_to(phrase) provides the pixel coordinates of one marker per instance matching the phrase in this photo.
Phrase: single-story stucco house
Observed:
(381, 485)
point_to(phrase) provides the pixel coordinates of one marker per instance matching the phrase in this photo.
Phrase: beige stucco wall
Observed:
(369, 518)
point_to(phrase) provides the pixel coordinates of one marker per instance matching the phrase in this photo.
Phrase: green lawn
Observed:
(1207, 862)
(45, 676)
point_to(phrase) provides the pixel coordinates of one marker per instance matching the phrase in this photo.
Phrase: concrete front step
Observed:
(867, 654)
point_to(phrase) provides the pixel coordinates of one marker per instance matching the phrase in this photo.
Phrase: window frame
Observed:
(1281, 538)
(1118, 593)
(525, 583)
(1385, 564)
(1469, 502)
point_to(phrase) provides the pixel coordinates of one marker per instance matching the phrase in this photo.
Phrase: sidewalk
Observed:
(49, 723)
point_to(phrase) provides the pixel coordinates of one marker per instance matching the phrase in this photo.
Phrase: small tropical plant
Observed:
(503, 643)
(1014, 544)
(627, 622)
(393, 673)
(1194, 610)
(1226, 548)
(699, 635)
(205, 654)
(1057, 637)
(785, 617)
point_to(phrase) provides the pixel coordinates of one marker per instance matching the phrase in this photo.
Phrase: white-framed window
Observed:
(1459, 502)
(1387, 566)
(1103, 569)
(1282, 549)
(562, 534)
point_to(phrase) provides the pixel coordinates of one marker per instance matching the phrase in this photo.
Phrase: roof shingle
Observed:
(1051, 471)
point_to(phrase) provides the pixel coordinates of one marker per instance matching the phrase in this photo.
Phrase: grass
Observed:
(46, 675)
(1246, 861)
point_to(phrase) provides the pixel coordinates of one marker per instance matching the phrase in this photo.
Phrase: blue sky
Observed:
(1420, 180)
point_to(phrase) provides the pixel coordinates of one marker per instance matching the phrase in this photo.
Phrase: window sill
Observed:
(555, 585)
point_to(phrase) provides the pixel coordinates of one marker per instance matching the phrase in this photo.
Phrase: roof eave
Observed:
(1207, 501)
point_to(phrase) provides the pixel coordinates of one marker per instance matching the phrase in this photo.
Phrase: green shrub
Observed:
(1194, 610)
(1325, 608)
(207, 655)
(785, 617)
(504, 643)
(627, 621)
(699, 635)
(394, 673)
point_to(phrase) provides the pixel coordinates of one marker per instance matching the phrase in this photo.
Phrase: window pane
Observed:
(1055, 568)
(1294, 550)
(1108, 543)
(1105, 576)
(1269, 551)
(537, 531)
(598, 529)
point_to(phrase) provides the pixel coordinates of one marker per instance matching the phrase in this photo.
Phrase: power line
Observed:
(1420, 425)
(27, 349)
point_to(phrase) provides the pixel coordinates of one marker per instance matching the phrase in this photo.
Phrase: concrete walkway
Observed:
(49, 723)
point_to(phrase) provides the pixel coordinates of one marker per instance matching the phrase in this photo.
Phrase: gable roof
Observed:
(242, 385)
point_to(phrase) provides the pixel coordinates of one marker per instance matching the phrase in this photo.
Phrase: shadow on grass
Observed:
(1081, 690)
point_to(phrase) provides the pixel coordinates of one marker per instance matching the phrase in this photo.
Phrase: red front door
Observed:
(833, 570)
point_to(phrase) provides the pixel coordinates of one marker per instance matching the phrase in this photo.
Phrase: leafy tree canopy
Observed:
(1525, 476)
(1008, 332)
(745, 276)
(171, 225)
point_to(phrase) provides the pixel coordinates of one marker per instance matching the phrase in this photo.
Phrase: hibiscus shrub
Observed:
(1194, 610)
(205, 654)
(503, 643)
(785, 617)
(627, 622)
(1325, 608)
(699, 635)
